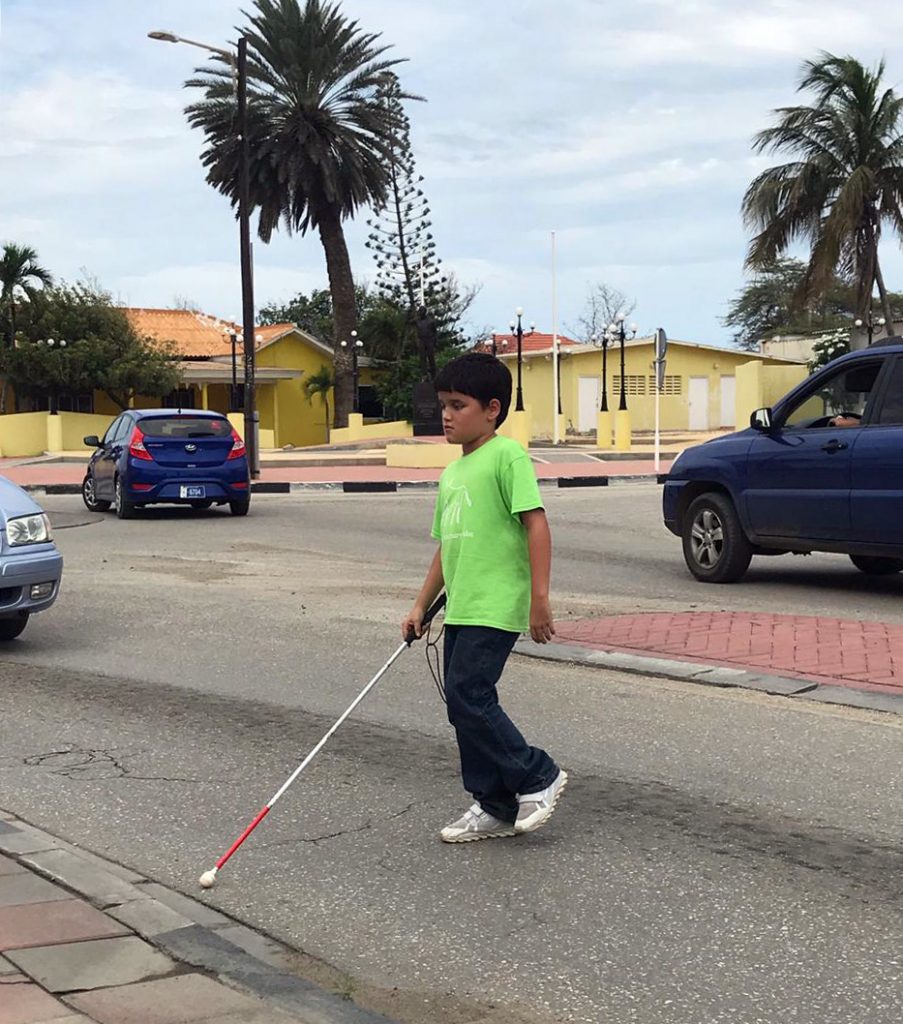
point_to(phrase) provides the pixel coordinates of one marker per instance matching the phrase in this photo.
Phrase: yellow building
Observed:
(701, 389)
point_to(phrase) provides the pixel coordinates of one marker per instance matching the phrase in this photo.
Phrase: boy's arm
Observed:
(539, 544)
(432, 585)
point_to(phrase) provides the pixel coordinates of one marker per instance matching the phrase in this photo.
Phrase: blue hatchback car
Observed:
(152, 456)
(821, 471)
(30, 565)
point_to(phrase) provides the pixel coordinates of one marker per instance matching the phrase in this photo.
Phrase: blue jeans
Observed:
(497, 763)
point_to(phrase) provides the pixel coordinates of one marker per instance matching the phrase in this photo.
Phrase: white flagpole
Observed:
(555, 437)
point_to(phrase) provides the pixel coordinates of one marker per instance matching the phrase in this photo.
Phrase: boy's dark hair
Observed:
(481, 376)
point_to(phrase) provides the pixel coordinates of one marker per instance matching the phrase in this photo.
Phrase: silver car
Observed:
(30, 565)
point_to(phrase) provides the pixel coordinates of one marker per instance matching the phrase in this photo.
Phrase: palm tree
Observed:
(844, 185)
(320, 383)
(320, 138)
(19, 272)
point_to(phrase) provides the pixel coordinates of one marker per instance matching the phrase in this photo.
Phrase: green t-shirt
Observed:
(485, 559)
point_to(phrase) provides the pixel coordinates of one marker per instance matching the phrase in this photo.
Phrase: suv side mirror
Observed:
(761, 419)
(92, 441)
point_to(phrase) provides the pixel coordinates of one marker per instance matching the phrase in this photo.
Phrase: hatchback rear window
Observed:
(184, 426)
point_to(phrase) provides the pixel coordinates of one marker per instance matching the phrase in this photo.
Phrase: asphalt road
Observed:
(719, 855)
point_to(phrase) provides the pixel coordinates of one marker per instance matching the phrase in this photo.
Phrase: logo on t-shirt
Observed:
(458, 501)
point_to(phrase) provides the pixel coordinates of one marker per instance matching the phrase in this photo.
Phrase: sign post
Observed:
(661, 348)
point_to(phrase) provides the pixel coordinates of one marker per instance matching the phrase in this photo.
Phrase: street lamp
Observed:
(239, 64)
(50, 343)
(518, 328)
(870, 323)
(618, 330)
(355, 345)
(603, 417)
(622, 420)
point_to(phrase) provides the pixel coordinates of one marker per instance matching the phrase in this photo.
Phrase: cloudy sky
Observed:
(622, 125)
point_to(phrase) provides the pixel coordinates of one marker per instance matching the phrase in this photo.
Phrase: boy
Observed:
(494, 560)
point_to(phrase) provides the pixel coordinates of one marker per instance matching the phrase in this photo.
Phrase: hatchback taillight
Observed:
(238, 446)
(136, 446)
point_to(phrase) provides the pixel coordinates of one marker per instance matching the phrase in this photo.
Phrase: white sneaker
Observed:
(536, 808)
(476, 824)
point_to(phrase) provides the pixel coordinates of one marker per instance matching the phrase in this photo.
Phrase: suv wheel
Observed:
(876, 566)
(11, 628)
(125, 509)
(240, 508)
(89, 496)
(716, 549)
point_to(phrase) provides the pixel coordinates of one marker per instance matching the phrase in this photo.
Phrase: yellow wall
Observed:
(760, 385)
(77, 425)
(23, 433)
(300, 422)
(682, 361)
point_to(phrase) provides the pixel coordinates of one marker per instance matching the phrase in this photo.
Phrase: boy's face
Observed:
(465, 419)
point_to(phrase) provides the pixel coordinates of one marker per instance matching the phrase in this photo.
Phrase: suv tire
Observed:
(877, 566)
(716, 549)
(240, 508)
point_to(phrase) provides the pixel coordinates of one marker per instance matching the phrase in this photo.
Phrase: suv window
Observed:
(847, 390)
(892, 407)
(124, 430)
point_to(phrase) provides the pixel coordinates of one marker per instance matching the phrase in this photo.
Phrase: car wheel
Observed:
(11, 628)
(240, 508)
(716, 549)
(89, 496)
(877, 566)
(125, 509)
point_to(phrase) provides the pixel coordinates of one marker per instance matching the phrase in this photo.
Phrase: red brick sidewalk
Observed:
(840, 652)
(39, 474)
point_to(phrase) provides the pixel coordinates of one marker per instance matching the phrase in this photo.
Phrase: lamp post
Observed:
(622, 420)
(519, 329)
(52, 344)
(355, 345)
(239, 63)
(870, 323)
(603, 417)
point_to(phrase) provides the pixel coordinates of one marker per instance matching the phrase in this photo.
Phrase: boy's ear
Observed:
(494, 408)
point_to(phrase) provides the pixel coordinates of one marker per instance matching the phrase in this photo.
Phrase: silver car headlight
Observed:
(34, 529)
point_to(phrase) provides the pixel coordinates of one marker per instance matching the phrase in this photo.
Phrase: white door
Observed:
(587, 403)
(699, 403)
(728, 401)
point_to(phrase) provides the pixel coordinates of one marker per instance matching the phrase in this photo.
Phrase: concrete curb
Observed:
(693, 672)
(382, 486)
(185, 929)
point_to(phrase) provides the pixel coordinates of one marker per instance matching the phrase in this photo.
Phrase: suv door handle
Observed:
(833, 446)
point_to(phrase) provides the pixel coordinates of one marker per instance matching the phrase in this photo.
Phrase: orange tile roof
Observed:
(195, 335)
(533, 341)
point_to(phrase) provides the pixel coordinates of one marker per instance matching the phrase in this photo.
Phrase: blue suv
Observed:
(821, 471)
(184, 457)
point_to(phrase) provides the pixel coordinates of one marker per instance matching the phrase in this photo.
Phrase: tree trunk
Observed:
(344, 311)
(885, 302)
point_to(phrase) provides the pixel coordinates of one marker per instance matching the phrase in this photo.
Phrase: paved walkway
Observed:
(827, 652)
(273, 471)
(86, 941)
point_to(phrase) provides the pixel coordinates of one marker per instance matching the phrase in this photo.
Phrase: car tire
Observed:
(125, 509)
(876, 565)
(11, 628)
(716, 549)
(89, 496)
(240, 508)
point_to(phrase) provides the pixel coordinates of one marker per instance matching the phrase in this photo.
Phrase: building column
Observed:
(204, 401)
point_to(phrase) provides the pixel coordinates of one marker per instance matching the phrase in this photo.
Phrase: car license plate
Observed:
(192, 491)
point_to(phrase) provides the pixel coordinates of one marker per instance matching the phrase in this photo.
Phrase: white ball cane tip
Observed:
(207, 879)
